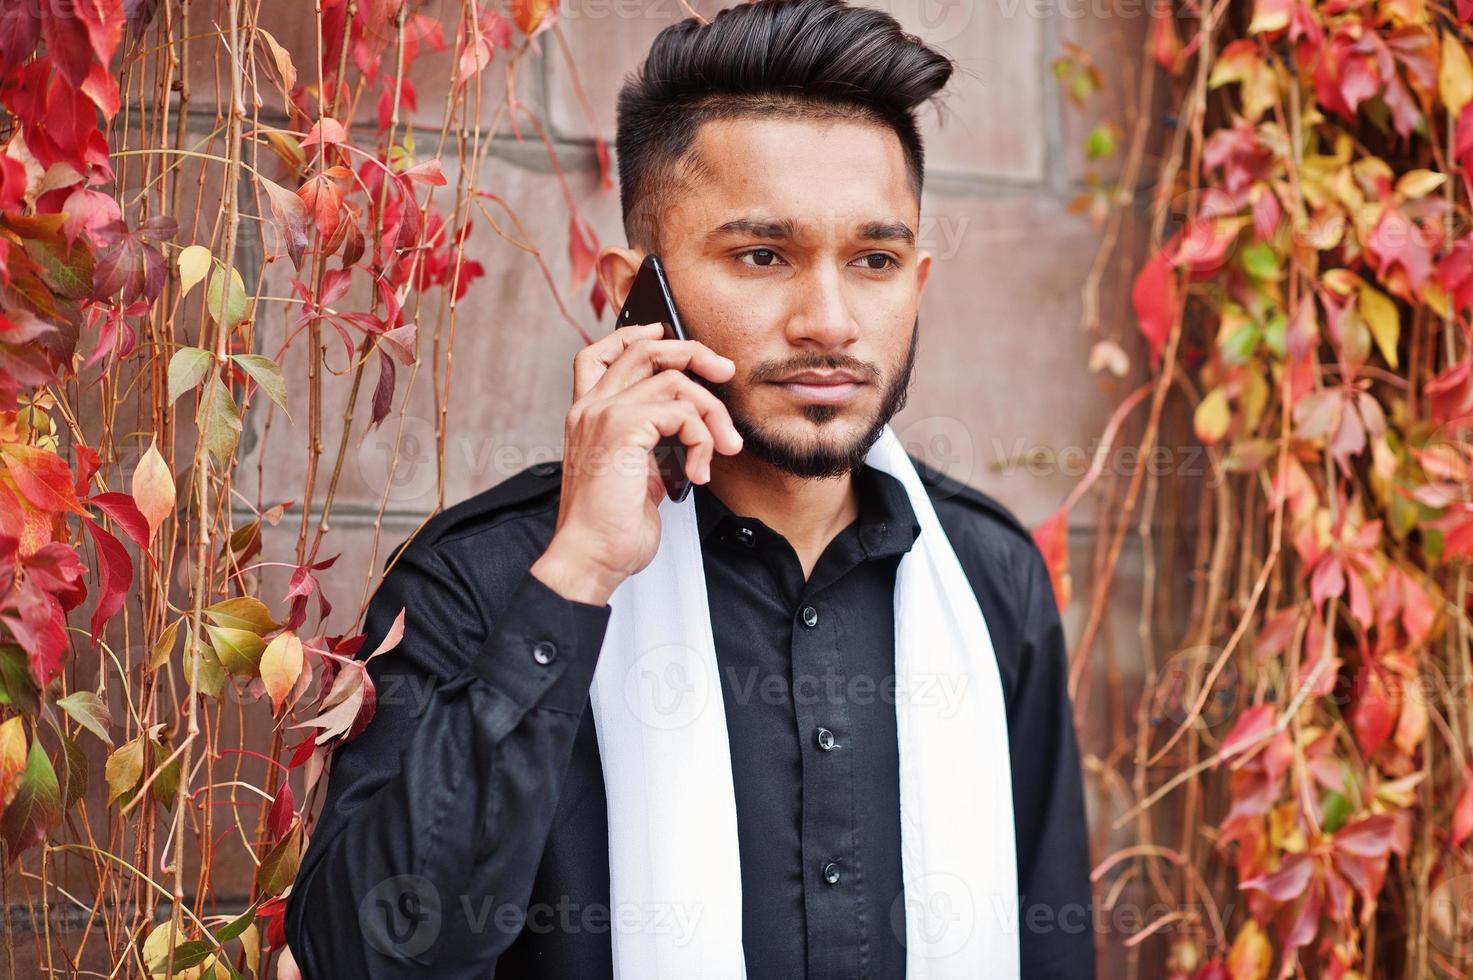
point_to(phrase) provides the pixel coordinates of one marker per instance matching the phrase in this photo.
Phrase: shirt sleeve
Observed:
(436, 816)
(1055, 920)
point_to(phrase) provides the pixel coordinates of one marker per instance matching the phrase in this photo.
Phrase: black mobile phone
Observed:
(649, 301)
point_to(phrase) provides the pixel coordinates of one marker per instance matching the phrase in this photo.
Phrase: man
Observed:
(772, 159)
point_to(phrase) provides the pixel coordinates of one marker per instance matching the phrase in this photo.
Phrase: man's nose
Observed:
(822, 314)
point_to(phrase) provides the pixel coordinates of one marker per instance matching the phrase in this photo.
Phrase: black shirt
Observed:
(465, 831)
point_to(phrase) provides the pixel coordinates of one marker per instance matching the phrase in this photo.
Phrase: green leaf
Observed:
(77, 772)
(1238, 346)
(232, 308)
(279, 866)
(236, 926)
(1100, 142)
(166, 783)
(67, 271)
(212, 676)
(187, 954)
(186, 369)
(17, 688)
(239, 650)
(1262, 261)
(1337, 810)
(89, 711)
(218, 419)
(36, 806)
(243, 613)
(267, 374)
(1275, 334)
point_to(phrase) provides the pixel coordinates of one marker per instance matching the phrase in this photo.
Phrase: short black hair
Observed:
(815, 59)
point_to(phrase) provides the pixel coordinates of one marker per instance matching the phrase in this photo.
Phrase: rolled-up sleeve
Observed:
(443, 804)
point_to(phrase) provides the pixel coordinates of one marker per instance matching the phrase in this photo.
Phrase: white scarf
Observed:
(675, 872)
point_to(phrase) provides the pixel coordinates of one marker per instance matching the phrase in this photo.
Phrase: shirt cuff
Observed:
(543, 650)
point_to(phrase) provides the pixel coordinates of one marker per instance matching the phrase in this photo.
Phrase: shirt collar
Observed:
(887, 523)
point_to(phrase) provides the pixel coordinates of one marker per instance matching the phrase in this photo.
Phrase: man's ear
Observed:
(923, 272)
(617, 268)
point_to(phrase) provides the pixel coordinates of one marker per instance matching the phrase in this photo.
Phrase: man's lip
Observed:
(833, 379)
(831, 392)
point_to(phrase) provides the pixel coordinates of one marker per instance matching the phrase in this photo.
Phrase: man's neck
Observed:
(808, 513)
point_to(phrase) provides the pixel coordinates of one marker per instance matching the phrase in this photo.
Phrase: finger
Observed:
(675, 384)
(590, 363)
(646, 358)
(682, 420)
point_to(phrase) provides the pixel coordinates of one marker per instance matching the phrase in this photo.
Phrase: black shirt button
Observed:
(544, 652)
(831, 872)
(825, 739)
(745, 536)
(810, 617)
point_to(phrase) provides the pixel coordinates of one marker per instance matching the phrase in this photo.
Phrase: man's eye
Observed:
(878, 261)
(763, 257)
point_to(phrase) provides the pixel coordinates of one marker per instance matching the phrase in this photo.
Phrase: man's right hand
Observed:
(629, 392)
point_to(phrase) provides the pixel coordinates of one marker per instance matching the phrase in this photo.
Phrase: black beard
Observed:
(824, 461)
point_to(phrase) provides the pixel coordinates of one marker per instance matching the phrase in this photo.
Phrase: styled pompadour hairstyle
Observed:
(815, 59)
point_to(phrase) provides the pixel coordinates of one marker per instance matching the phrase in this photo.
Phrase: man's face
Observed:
(795, 250)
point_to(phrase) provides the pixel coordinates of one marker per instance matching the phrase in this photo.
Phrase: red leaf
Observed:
(122, 508)
(36, 620)
(1252, 729)
(292, 220)
(116, 570)
(68, 48)
(43, 477)
(328, 132)
(88, 210)
(324, 200)
(1287, 883)
(1375, 714)
(1367, 838)
(1052, 539)
(1154, 296)
(383, 392)
(582, 251)
(303, 751)
(1398, 241)
(279, 817)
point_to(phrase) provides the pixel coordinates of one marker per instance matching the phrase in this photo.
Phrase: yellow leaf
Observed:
(1269, 15)
(124, 769)
(12, 759)
(1381, 315)
(1419, 183)
(281, 665)
(153, 488)
(1251, 955)
(164, 648)
(1455, 76)
(194, 262)
(1212, 416)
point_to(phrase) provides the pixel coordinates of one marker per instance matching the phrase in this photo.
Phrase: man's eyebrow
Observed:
(887, 231)
(755, 228)
(786, 228)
